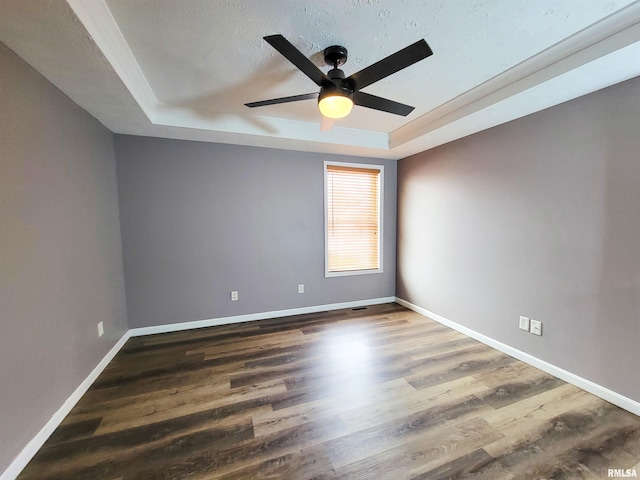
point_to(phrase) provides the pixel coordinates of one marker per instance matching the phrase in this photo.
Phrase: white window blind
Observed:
(353, 226)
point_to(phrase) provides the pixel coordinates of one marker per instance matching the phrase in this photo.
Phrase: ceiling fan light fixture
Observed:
(338, 93)
(335, 103)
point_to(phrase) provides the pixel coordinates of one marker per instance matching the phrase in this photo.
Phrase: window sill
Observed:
(348, 273)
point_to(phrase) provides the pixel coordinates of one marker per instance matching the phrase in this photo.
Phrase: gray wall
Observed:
(538, 217)
(202, 219)
(60, 251)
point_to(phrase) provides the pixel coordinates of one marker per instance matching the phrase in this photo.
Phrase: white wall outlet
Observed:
(100, 329)
(536, 327)
(301, 288)
(234, 296)
(524, 323)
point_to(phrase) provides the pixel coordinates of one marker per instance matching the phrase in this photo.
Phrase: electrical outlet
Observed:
(524, 323)
(536, 327)
(100, 329)
(301, 288)
(234, 296)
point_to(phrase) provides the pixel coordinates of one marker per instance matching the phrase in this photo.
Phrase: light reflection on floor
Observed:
(349, 359)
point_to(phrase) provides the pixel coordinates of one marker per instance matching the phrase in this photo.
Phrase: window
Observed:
(353, 222)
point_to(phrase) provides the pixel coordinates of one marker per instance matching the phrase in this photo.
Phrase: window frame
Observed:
(345, 273)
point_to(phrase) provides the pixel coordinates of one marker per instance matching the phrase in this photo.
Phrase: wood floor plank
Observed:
(410, 402)
(579, 442)
(129, 451)
(516, 391)
(373, 393)
(516, 371)
(524, 420)
(458, 467)
(457, 365)
(416, 457)
(345, 403)
(306, 464)
(380, 438)
(249, 453)
(193, 401)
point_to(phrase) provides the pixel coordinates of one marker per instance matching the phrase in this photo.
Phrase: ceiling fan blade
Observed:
(294, 55)
(327, 124)
(382, 104)
(274, 101)
(391, 64)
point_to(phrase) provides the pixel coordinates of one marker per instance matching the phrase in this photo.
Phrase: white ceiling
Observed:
(184, 68)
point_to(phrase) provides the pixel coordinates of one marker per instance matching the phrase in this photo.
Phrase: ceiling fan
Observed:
(338, 94)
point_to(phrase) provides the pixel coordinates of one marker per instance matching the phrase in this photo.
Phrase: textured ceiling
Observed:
(184, 69)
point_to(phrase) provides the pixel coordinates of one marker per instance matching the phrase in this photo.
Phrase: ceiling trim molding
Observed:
(612, 33)
(277, 128)
(103, 29)
(609, 69)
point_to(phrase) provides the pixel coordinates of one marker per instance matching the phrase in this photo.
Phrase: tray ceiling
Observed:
(184, 69)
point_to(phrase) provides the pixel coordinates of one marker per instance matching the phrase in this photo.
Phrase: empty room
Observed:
(285, 239)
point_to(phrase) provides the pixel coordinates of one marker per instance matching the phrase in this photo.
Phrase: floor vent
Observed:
(359, 308)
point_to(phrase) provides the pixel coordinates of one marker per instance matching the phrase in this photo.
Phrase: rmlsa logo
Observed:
(622, 473)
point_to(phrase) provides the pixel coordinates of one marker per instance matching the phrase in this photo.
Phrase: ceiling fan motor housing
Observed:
(339, 84)
(331, 90)
(335, 55)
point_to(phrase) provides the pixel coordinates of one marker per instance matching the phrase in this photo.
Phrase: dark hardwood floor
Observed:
(379, 393)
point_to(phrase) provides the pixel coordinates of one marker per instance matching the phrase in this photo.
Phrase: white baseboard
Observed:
(591, 387)
(214, 322)
(27, 453)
